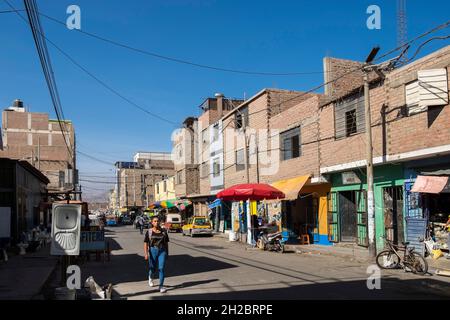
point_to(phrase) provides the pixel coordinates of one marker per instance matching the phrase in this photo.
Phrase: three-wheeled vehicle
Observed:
(173, 222)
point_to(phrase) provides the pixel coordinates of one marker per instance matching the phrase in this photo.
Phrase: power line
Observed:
(177, 60)
(94, 158)
(101, 82)
(44, 57)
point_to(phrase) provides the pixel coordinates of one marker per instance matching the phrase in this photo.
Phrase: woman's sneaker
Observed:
(150, 282)
(162, 290)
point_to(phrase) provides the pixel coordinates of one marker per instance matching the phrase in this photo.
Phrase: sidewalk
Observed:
(354, 253)
(357, 253)
(23, 277)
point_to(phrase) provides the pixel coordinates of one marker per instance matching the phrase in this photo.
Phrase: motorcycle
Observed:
(270, 241)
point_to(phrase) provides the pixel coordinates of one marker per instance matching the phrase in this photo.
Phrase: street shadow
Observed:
(113, 244)
(193, 265)
(134, 268)
(183, 285)
(391, 288)
(210, 247)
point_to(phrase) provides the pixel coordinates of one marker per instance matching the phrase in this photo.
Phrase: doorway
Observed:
(348, 216)
(393, 213)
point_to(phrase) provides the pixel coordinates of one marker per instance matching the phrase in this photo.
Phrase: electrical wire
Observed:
(44, 58)
(94, 158)
(97, 79)
(177, 60)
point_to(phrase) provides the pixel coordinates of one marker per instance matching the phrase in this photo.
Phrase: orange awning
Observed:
(291, 187)
(429, 184)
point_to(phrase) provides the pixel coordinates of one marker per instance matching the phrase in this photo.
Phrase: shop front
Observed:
(304, 210)
(220, 215)
(248, 209)
(347, 206)
(428, 204)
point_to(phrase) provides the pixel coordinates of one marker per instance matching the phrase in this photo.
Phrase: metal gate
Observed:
(416, 220)
(361, 213)
(333, 217)
(393, 213)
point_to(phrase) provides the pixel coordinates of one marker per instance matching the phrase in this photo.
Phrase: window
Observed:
(216, 168)
(180, 176)
(290, 144)
(240, 162)
(205, 136)
(430, 89)
(215, 132)
(164, 186)
(240, 116)
(157, 188)
(350, 122)
(349, 116)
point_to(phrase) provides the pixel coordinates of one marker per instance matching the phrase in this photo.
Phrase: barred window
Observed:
(290, 144)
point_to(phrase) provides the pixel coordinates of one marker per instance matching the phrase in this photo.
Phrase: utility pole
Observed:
(39, 153)
(369, 155)
(244, 126)
(134, 187)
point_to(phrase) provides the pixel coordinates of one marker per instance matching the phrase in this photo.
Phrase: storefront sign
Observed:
(92, 240)
(350, 178)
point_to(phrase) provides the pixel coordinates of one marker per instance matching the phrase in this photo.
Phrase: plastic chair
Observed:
(304, 236)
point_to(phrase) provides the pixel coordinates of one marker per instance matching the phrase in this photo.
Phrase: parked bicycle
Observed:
(396, 257)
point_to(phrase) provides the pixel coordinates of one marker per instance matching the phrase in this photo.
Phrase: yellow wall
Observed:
(322, 191)
(170, 192)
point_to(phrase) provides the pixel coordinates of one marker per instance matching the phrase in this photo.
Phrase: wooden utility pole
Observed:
(39, 153)
(244, 126)
(369, 156)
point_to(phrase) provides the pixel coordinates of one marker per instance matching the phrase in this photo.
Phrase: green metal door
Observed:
(361, 222)
(333, 217)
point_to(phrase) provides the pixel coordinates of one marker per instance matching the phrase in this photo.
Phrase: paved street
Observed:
(214, 268)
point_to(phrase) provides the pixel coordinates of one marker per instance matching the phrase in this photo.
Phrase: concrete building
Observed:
(185, 155)
(136, 180)
(210, 150)
(34, 137)
(23, 190)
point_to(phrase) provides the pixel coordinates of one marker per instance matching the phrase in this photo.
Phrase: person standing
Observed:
(156, 251)
(140, 222)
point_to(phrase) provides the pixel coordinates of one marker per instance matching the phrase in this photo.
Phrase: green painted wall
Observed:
(384, 176)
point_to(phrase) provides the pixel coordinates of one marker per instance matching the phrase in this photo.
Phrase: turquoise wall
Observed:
(384, 176)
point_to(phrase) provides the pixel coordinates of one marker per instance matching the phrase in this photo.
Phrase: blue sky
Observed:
(268, 36)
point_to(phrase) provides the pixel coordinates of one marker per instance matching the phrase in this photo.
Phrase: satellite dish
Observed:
(66, 228)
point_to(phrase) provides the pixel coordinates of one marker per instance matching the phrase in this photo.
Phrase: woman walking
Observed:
(156, 250)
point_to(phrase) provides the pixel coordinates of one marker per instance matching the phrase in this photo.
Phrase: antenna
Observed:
(402, 32)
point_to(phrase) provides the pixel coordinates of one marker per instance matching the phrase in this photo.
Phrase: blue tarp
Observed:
(216, 203)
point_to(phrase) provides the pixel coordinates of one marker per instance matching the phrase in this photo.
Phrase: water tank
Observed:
(18, 103)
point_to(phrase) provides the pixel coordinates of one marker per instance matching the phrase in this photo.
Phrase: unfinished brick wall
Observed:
(305, 116)
(393, 132)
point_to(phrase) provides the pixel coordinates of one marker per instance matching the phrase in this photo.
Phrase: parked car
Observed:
(173, 222)
(111, 221)
(126, 220)
(197, 225)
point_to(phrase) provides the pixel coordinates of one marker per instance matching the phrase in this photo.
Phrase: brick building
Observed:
(317, 144)
(34, 137)
(136, 180)
(411, 134)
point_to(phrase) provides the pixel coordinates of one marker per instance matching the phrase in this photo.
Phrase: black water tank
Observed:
(18, 103)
